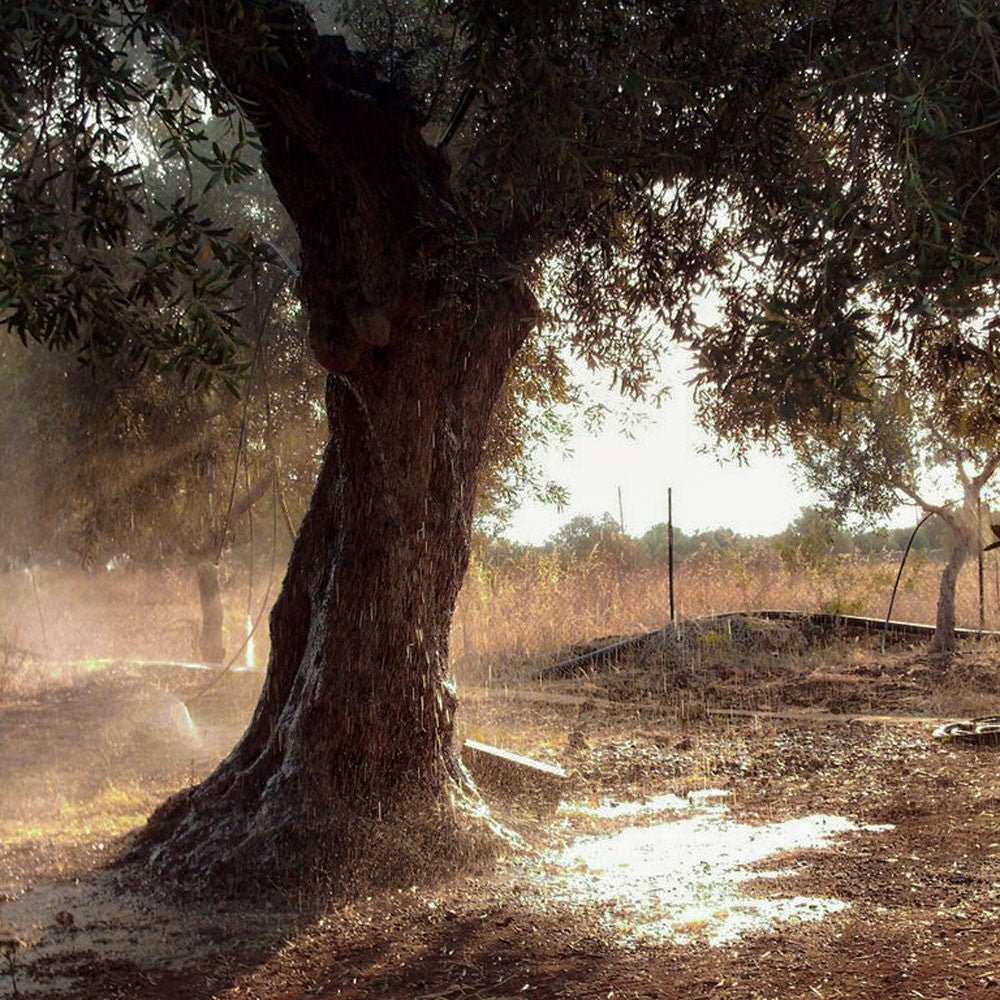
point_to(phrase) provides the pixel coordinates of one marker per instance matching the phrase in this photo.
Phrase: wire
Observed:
(902, 563)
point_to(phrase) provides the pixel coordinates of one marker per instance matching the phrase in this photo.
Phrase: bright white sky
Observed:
(761, 497)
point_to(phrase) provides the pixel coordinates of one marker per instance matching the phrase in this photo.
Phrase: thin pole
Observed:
(979, 553)
(621, 511)
(670, 552)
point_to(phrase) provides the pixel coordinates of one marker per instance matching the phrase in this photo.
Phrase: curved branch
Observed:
(942, 510)
(986, 473)
(458, 116)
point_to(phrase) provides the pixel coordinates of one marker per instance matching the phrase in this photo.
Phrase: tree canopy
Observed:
(828, 169)
(885, 229)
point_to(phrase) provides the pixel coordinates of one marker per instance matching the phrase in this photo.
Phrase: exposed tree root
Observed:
(286, 845)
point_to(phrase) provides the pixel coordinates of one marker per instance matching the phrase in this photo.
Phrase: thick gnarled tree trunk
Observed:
(347, 769)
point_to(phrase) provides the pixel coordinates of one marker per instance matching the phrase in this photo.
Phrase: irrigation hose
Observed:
(975, 732)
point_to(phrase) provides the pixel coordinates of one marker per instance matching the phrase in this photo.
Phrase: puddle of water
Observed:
(610, 809)
(680, 880)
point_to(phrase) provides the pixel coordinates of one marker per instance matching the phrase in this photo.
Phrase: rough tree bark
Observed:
(962, 536)
(347, 769)
(348, 758)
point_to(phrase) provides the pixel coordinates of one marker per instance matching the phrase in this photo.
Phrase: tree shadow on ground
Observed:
(506, 952)
(449, 941)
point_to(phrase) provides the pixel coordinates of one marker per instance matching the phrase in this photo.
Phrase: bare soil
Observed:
(905, 903)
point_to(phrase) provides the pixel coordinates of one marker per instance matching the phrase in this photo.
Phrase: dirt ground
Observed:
(764, 822)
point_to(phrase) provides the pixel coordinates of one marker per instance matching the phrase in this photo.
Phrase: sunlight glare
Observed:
(682, 880)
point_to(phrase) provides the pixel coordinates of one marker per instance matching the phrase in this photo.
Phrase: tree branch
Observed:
(213, 542)
(346, 155)
(942, 511)
(986, 473)
(458, 116)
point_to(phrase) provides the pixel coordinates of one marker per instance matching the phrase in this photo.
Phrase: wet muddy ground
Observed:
(695, 854)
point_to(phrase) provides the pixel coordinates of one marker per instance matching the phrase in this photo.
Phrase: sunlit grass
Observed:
(114, 811)
(516, 611)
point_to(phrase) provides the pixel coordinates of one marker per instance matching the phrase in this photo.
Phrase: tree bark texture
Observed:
(961, 540)
(347, 770)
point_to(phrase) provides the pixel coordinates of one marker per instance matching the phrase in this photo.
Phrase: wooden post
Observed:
(670, 552)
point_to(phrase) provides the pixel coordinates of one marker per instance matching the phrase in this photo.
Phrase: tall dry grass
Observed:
(503, 613)
(517, 611)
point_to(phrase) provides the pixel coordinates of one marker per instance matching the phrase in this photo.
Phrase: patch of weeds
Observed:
(841, 604)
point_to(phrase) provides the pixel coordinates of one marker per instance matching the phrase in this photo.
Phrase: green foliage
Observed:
(126, 461)
(933, 446)
(717, 541)
(812, 540)
(841, 604)
(882, 225)
(93, 101)
(830, 169)
(587, 538)
(534, 410)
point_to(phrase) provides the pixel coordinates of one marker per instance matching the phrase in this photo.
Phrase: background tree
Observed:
(886, 246)
(812, 539)
(585, 538)
(472, 158)
(897, 445)
(133, 463)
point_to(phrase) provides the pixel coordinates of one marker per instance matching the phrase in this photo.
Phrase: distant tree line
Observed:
(811, 539)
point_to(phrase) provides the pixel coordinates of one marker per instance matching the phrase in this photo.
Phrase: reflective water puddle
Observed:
(681, 880)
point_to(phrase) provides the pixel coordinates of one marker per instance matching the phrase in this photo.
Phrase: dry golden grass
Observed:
(519, 611)
(115, 811)
(503, 613)
(66, 613)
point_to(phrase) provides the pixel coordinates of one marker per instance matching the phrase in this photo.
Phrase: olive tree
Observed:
(448, 167)
(873, 284)
(902, 444)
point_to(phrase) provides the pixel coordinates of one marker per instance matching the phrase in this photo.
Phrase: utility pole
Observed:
(621, 511)
(670, 552)
(979, 552)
